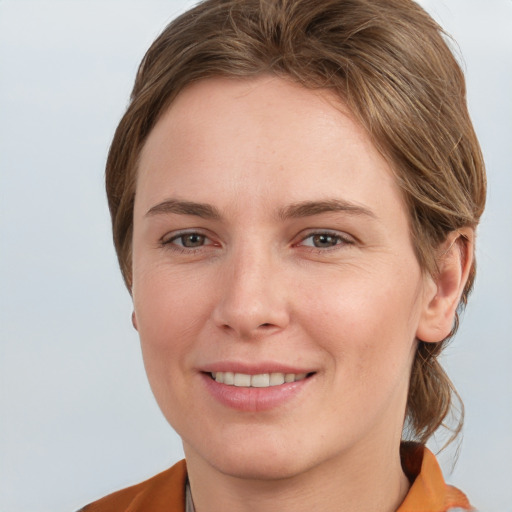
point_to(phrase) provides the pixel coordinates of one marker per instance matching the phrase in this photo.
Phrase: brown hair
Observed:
(389, 62)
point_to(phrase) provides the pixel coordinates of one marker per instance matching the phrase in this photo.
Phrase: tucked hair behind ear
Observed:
(389, 62)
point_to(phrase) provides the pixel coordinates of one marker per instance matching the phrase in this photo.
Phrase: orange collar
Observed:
(428, 492)
(166, 491)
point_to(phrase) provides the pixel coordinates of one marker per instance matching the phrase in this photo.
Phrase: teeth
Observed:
(242, 380)
(276, 379)
(262, 380)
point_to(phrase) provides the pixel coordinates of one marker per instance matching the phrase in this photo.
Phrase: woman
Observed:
(294, 190)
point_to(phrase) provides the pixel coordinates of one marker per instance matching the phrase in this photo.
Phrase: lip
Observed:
(254, 399)
(253, 368)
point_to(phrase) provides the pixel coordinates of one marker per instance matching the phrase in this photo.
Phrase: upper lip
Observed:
(253, 368)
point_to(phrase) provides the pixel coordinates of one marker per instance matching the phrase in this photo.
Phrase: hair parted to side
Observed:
(388, 61)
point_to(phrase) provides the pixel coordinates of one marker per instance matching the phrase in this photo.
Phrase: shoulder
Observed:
(165, 491)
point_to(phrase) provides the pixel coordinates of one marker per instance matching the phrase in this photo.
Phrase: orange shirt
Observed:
(165, 492)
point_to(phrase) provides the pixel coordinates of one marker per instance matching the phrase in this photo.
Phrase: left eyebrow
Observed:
(310, 208)
(203, 210)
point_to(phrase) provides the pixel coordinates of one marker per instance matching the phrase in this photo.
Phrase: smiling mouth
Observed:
(262, 380)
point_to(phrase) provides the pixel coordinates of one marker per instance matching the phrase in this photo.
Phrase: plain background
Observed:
(77, 418)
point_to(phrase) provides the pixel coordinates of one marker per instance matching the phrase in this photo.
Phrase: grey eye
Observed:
(325, 240)
(191, 240)
(322, 240)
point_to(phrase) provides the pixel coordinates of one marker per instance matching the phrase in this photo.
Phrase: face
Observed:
(276, 291)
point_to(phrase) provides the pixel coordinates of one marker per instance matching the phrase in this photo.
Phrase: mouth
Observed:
(244, 388)
(261, 380)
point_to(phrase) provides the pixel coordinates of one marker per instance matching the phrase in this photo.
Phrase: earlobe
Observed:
(134, 321)
(444, 290)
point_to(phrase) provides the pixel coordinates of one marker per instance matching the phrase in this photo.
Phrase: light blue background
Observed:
(77, 418)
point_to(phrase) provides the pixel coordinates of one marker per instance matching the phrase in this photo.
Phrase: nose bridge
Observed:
(253, 298)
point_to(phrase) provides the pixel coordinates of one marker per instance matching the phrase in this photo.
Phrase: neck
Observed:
(369, 480)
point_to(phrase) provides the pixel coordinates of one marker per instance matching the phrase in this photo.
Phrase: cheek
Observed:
(366, 320)
(168, 316)
(170, 313)
(168, 305)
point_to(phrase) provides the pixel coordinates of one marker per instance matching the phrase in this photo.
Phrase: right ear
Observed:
(134, 321)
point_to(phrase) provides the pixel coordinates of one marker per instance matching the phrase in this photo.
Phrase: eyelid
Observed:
(345, 238)
(170, 237)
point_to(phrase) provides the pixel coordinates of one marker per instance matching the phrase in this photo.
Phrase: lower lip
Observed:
(254, 399)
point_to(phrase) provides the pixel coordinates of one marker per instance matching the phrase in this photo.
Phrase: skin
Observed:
(335, 290)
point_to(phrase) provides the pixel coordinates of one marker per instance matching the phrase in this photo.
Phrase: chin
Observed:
(263, 468)
(254, 459)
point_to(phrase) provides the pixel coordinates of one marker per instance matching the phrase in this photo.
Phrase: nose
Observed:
(253, 296)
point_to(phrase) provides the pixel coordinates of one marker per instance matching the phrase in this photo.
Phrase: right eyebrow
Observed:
(203, 210)
(311, 208)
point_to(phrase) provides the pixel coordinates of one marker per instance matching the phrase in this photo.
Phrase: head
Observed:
(389, 64)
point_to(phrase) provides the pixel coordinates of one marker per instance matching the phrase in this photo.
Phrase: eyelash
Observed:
(340, 239)
(169, 243)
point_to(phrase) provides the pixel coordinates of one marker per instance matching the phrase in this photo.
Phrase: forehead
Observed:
(216, 108)
(266, 136)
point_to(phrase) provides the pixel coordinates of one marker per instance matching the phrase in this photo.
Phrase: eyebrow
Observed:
(292, 211)
(310, 208)
(203, 210)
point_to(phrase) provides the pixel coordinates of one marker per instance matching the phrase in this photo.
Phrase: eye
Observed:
(325, 240)
(189, 240)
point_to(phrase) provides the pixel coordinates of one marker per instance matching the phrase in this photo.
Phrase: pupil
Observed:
(324, 240)
(193, 240)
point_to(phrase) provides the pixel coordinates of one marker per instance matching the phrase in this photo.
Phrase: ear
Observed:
(134, 321)
(443, 291)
